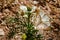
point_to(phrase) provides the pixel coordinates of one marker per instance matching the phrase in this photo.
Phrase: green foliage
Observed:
(29, 9)
(30, 33)
(24, 36)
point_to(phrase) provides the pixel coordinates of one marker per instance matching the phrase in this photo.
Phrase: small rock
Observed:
(1, 32)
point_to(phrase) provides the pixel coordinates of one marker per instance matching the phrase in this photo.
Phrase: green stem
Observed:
(28, 19)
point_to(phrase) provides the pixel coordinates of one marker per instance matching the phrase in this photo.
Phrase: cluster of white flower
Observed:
(24, 9)
(44, 18)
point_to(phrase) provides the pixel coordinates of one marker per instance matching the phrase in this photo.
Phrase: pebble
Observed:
(1, 32)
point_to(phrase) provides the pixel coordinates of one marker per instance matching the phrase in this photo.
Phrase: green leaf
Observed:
(28, 8)
(24, 36)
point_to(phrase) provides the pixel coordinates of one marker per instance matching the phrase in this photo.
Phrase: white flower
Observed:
(33, 8)
(35, 2)
(25, 16)
(44, 18)
(47, 23)
(42, 14)
(41, 26)
(24, 8)
(35, 27)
